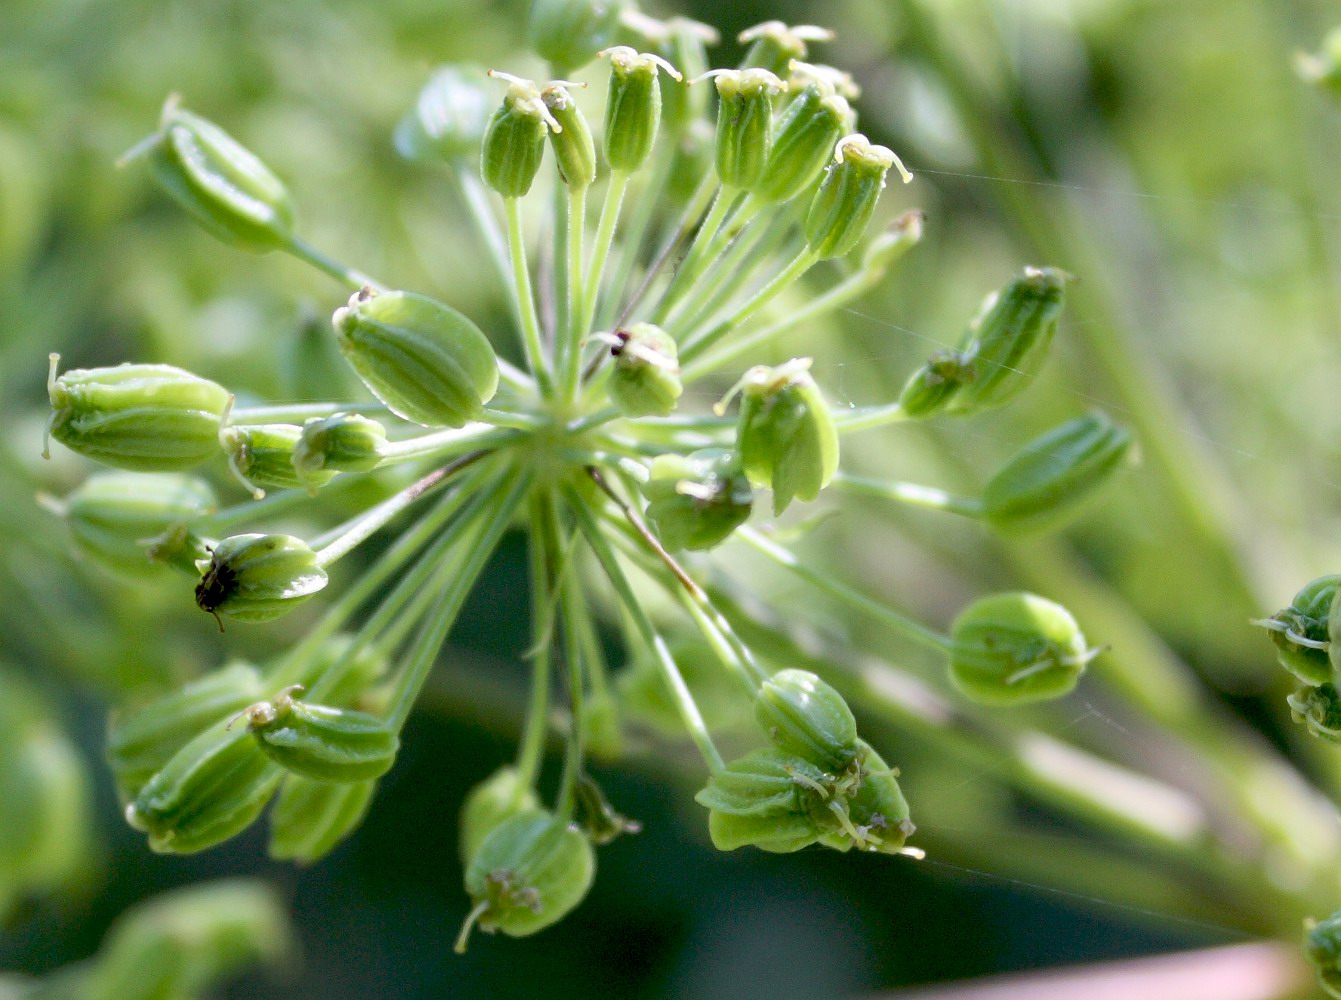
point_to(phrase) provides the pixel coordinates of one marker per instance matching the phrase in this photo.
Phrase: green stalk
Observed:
(531, 749)
(347, 276)
(697, 205)
(729, 271)
(912, 494)
(700, 340)
(292, 413)
(605, 235)
(684, 701)
(423, 651)
(869, 417)
(445, 443)
(696, 259)
(481, 211)
(575, 333)
(521, 279)
(573, 657)
(646, 204)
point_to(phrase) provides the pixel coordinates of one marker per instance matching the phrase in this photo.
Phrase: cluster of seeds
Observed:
(723, 189)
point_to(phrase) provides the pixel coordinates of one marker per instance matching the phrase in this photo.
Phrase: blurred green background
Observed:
(1161, 150)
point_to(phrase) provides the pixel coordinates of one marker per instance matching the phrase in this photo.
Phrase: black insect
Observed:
(215, 587)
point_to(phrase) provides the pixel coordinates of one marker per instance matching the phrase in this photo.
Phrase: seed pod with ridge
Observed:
(786, 434)
(769, 782)
(261, 455)
(779, 833)
(773, 45)
(145, 418)
(1051, 479)
(569, 33)
(257, 578)
(501, 795)
(574, 148)
(803, 143)
(140, 742)
(211, 789)
(134, 524)
(529, 872)
(633, 106)
(311, 817)
(683, 43)
(744, 124)
(645, 376)
(803, 715)
(696, 501)
(231, 193)
(424, 360)
(317, 741)
(342, 442)
(1009, 339)
(1322, 945)
(1014, 648)
(514, 140)
(929, 390)
(1301, 632)
(1318, 708)
(449, 117)
(847, 195)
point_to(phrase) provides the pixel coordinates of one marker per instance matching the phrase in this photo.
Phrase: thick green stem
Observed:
(869, 417)
(574, 332)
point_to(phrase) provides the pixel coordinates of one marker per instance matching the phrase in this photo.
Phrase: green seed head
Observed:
(1009, 339)
(569, 33)
(744, 124)
(803, 715)
(929, 390)
(1301, 632)
(498, 797)
(342, 442)
(1322, 945)
(529, 872)
(805, 138)
(574, 148)
(696, 501)
(514, 140)
(645, 376)
(134, 524)
(633, 105)
(311, 817)
(257, 578)
(786, 434)
(1010, 649)
(847, 195)
(1319, 709)
(320, 742)
(211, 789)
(1055, 475)
(424, 360)
(146, 418)
(773, 45)
(448, 121)
(682, 43)
(141, 741)
(230, 192)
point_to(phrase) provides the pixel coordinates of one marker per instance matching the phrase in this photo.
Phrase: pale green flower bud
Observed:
(261, 455)
(1319, 709)
(929, 390)
(683, 43)
(1052, 478)
(449, 117)
(257, 578)
(140, 742)
(311, 817)
(744, 124)
(212, 789)
(317, 741)
(1322, 945)
(696, 501)
(645, 376)
(574, 148)
(514, 141)
(773, 45)
(1009, 339)
(342, 442)
(569, 33)
(803, 715)
(633, 106)
(134, 523)
(498, 797)
(146, 418)
(804, 142)
(529, 872)
(1014, 648)
(847, 195)
(1301, 632)
(786, 434)
(230, 192)
(424, 360)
